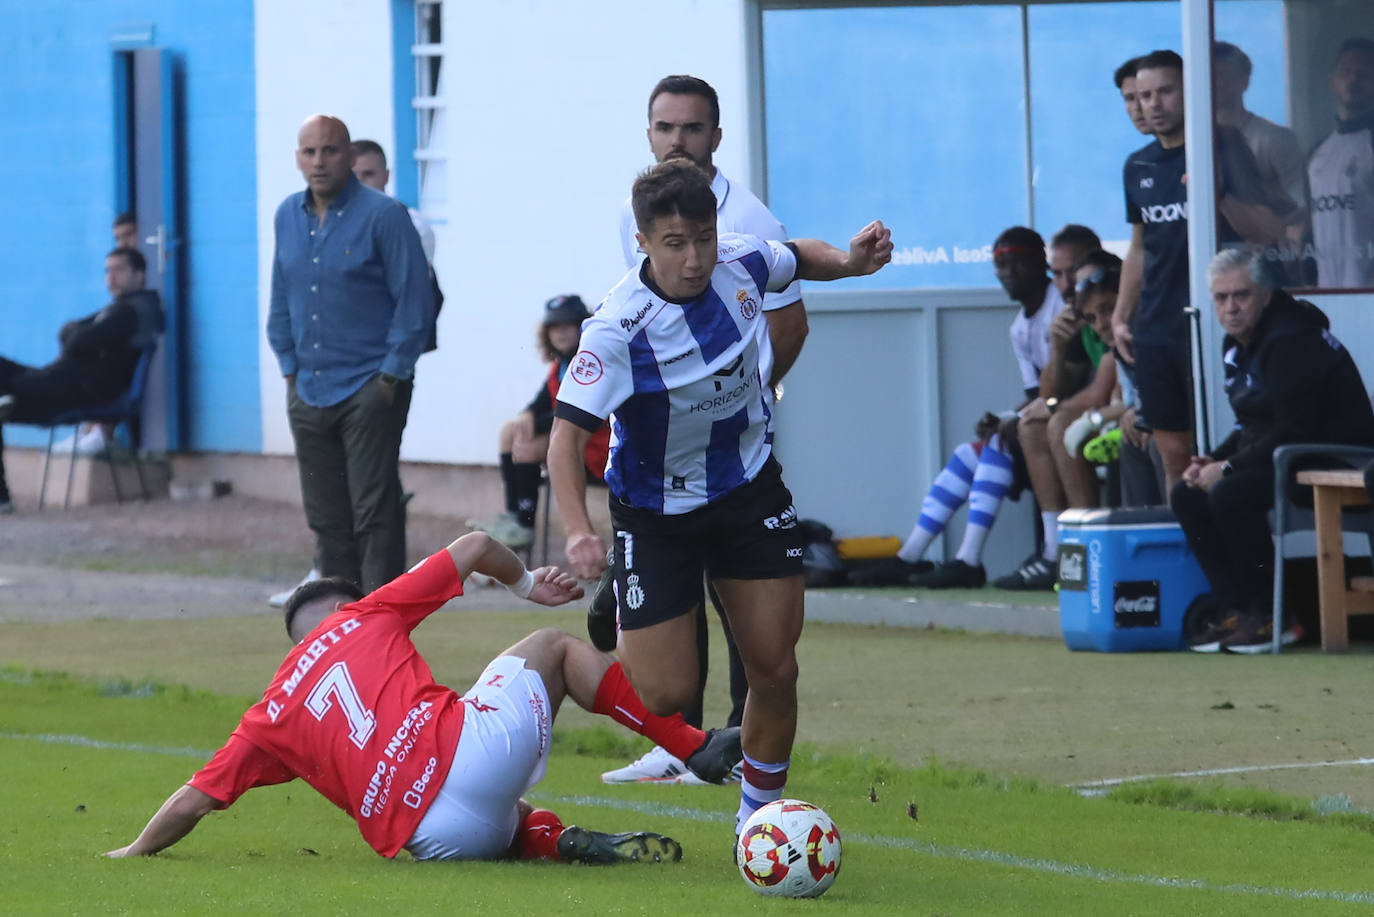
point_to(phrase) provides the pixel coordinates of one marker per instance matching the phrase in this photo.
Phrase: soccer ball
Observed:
(789, 849)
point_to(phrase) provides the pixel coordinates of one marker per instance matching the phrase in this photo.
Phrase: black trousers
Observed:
(1228, 530)
(349, 459)
(40, 394)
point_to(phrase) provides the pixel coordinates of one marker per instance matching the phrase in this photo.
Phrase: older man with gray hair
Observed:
(1289, 380)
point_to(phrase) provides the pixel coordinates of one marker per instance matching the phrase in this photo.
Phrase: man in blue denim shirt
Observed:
(351, 312)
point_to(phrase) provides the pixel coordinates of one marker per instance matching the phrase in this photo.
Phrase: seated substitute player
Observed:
(673, 353)
(524, 439)
(355, 712)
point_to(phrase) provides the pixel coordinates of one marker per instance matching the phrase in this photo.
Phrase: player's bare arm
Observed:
(869, 250)
(182, 811)
(478, 552)
(586, 551)
(787, 330)
(1132, 276)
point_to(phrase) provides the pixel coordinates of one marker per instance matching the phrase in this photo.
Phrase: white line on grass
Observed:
(1218, 772)
(1034, 864)
(973, 854)
(83, 741)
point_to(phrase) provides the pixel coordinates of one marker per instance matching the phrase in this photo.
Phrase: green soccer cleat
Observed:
(595, 848)
(1104, 449)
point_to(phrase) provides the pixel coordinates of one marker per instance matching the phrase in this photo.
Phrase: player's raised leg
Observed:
(571, 667)
(766, 617)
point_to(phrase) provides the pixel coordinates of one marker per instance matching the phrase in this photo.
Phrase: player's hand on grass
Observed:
(554, 587)
(586, 556)
(870, 249)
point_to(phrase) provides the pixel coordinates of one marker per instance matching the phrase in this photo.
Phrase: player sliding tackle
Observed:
(673, 354)
(355, 712)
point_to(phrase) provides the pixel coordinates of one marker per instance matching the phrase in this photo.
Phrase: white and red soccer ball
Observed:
(789, 849)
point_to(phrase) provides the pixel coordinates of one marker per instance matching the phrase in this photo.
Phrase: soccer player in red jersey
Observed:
(355, 712)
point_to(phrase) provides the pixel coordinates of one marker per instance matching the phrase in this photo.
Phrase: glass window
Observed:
(1293, 89)
(915, 115)
(430, 104)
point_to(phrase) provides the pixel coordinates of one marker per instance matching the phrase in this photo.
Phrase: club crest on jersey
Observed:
(585, 367)
(634, 593)
(747, 307)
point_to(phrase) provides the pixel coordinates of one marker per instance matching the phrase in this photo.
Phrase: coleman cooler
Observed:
(1126, 579)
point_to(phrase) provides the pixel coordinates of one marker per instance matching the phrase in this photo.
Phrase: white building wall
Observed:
(545, 133)
(312, 56)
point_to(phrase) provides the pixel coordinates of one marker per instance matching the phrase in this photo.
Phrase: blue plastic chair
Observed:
(127, 409)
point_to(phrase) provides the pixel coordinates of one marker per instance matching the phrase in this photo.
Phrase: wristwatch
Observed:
(1052, 404)
(1096, 418)
(1226, 469)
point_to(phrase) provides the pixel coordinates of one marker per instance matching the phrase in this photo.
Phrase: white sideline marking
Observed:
(1087, 787)
(1015, 861)
(83, 741)
(973, 854)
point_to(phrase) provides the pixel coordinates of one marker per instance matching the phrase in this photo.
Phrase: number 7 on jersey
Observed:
(338, 682)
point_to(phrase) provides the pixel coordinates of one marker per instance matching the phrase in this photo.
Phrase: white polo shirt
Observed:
(1030, 337)
(692, 417)
(1341, 176)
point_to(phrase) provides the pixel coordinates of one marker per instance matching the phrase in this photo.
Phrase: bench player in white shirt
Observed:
(673, 353)
(684, 123)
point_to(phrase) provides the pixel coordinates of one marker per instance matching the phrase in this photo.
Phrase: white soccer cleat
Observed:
(278, 600)
(656, 766)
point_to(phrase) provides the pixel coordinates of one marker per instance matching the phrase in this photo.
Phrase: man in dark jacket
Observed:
(1289, 380)
(97, 358)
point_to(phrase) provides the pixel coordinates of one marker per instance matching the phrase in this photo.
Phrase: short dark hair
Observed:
(132, 257)
(1076, 235)
(363, 147)
(1125, 72)
(674, 186)
(1358, 44)
(680, 84)
(1225, 51)
(1106, 272)
(327, 587)
(126, 218)
(1159, 60)
(1022, 237)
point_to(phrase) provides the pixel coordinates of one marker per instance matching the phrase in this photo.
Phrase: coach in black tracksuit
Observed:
(1289, 380)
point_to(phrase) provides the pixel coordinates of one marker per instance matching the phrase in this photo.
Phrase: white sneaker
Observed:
(657, 766)
(92, 442)
(278, 600)
(506, 529)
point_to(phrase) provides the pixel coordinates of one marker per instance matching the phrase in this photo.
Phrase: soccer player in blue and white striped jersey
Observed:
(672, 356)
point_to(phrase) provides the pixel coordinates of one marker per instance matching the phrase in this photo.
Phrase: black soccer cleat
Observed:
(601, 612)
(717, 756)
(595, 848)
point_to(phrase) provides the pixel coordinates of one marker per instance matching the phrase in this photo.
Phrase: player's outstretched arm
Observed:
(869, 250)
(478, 552)
(182, 811)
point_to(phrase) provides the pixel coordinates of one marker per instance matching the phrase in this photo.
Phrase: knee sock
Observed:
(508, 480)
(991, 480)
(525, 479)
(947, 494)
(616, 698)
(537, 837)
(762, 784)
(1049, 522)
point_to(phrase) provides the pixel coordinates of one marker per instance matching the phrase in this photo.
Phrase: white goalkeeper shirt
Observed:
(692, 420)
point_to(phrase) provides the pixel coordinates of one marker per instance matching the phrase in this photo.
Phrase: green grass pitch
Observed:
(85, 763)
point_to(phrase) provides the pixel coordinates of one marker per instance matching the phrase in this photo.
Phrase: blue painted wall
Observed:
(57, 128)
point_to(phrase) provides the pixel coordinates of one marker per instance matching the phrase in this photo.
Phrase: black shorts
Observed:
(750, 533)
(1164, 378)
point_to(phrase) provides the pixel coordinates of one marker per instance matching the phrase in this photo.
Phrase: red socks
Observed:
(537, 838)
(617, 699)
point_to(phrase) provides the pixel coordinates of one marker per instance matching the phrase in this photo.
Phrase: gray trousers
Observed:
(349, 460)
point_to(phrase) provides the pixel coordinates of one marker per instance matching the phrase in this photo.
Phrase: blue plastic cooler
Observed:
(1126, 579)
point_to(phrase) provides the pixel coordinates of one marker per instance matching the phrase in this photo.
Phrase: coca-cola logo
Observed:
(1136, 603)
